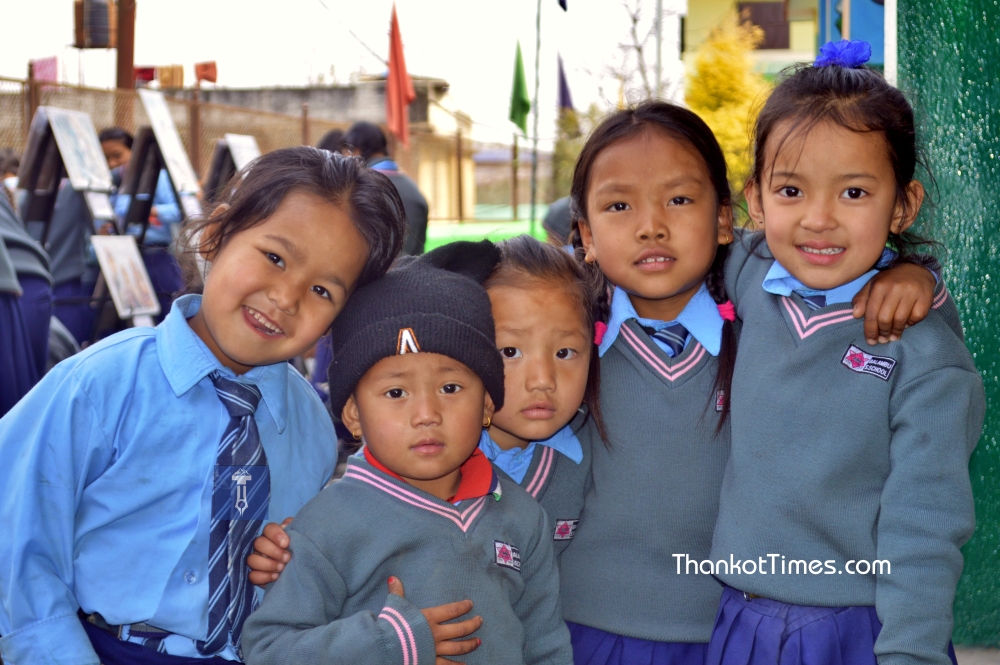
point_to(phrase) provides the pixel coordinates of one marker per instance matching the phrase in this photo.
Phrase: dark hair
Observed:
(333, 140)
(682, 125)
(367, 138)
(116, 134)
(857, 99)
(524, 258)
(255, 193)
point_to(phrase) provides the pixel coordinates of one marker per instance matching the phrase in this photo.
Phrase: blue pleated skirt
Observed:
(71, 305)
(36, 307)
(18, 372)
(760, 631)
(592, 646)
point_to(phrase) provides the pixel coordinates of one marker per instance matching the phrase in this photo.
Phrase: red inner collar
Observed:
(476, 475)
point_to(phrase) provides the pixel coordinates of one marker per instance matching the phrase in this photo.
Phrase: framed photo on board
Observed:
(243, 148)
(231, 154)
(63, 144)
(126, 276)
(80, 148)
(169, 141)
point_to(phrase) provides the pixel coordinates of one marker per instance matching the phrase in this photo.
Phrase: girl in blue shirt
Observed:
(138, 472)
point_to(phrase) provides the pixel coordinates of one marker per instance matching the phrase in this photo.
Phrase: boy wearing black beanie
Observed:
(416, 374)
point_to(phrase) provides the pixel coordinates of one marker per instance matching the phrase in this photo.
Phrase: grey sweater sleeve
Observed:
(739, 255)
(927, 513)
(300, 620)
(546, 637)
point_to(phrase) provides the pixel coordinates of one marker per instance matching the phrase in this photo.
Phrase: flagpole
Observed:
(534, 150)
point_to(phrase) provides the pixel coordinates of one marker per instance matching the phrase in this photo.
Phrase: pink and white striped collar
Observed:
(463, 515)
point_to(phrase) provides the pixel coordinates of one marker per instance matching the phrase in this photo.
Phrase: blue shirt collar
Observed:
(564, 441)
(186, 360)
(700, 316)
(782, 283)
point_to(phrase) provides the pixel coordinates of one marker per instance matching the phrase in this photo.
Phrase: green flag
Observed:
(520, 102)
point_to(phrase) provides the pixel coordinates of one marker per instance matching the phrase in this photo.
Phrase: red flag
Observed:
(398, 87)
(205, 71)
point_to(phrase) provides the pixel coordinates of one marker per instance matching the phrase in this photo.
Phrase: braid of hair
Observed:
(715, 282)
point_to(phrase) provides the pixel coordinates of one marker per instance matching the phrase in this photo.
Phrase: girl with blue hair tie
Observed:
(846, 498)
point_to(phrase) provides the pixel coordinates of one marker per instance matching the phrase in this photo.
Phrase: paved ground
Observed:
(974, 656)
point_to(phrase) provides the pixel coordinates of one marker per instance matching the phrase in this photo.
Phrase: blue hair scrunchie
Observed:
(844, 53)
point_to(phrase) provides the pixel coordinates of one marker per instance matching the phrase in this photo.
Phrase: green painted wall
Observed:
(949, 63)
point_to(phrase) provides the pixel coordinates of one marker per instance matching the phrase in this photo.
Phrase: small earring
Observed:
(489, 421)
(356, 435)
(589, 258)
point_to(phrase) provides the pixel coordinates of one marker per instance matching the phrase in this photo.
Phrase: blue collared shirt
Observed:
(700, 316)
(515, 462)
(107, 486)
(780, 282)
(168, 212)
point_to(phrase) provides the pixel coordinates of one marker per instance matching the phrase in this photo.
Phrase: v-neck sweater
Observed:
(843, 452)
(331, 603)
(654, 492)
(559, 484)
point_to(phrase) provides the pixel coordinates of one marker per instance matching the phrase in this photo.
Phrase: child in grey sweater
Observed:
(847, 498)
(417, 376)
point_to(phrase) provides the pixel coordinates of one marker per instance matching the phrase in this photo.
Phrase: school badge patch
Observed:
(565, 529)
(862, 362)
(507, 555)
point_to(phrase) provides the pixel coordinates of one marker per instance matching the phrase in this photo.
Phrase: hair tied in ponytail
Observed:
(599, 329)
(727, 310)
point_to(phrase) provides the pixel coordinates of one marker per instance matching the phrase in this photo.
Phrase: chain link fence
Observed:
(441, 166)
(198, 123)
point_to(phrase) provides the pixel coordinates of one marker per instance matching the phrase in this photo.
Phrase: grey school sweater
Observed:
(654, 493)
(331, 603)
(559, 484)
(843, 451)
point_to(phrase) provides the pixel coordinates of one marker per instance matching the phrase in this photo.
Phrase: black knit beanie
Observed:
(433, 304)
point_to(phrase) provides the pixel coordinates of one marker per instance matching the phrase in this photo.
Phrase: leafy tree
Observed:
(725, 91)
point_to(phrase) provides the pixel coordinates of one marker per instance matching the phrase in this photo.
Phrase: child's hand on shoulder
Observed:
(894, 299)
(270, 554)
(446, 634)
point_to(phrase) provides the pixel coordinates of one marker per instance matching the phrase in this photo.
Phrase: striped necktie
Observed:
(674, 336)
(814, 301)
(239, 505)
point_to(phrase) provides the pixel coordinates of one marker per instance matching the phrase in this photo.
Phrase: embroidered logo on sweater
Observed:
(406, 342)
(859, 361)
(507, 555)
(720, 400)
(565, 529)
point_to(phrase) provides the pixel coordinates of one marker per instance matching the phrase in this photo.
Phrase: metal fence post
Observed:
(194, 130)
(458, 156)
(34, 100)
(305, 123)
